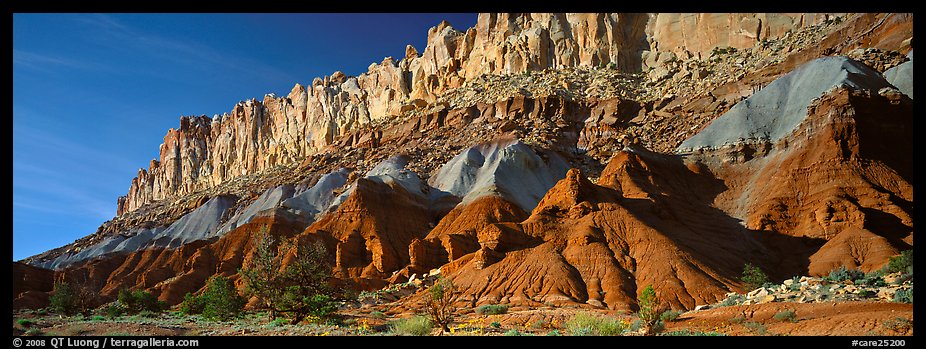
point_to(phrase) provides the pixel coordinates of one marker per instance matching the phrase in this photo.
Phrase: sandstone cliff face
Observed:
(258, 135)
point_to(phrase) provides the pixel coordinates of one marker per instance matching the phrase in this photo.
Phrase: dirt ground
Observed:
(811, 319)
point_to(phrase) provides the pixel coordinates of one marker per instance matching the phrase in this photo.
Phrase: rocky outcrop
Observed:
(258, 135)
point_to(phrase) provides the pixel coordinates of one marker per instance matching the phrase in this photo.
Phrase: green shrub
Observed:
(97, 318)
(737, 319)
(496, 324)
(34, 332)
(554, 333)
(842, 274)
(900, 263)
(73, 299)
(795, 284)
(113, 311)
(412, 326)
(756, 328)
(898, 324)
(492, 309)
(735, 299)
(904, 296)
(586, 324)
(298, 290)
(25, 322)
(439, 305)
(192, 304)
(220, 299)
(650, 310)
(874, 279)
(786, 315)
(376, 314)
(753, 277)
(137, 301)
(670, 315)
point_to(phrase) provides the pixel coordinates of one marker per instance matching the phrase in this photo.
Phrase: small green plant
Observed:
(440, 303)
(650, 311)
(737, 319)
(492, 309)
(496, 324)
(786, 315)
(904, 296)
(586, 324)
(554, 333)
(277, 322)
(412, 326)
(670, 315)
(734, 299)
(25, 322)
(898, 324)
(34, 332)
(98, 318)
(843, 274)
(753, 277)
(756, 328)
(376, 314)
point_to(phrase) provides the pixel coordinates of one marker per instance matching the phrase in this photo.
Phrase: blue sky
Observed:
(94, 94)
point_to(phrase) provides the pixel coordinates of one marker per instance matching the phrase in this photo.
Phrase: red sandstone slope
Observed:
(369, 233)
(171, 273)
(849, 167)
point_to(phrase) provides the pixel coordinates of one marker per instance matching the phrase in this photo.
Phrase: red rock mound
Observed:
(370, 232)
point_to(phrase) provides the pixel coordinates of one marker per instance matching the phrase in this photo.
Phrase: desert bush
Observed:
(73, 299)
(299, 290)
(376, 314)
(25, 322)
(137, 301)
(440, 303)
(842, 274)
(34, 332)
(904, 296)
(786, 315)
(492, 309)
(650, 310)
(670, 315)
(900, 263)
(554, 333)
(874, 279)
(219, 301)
(753, 277)
(735, 299)
(586, 324)
(756, 327)
(192, 304)
(412, 326)
(898, 324)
